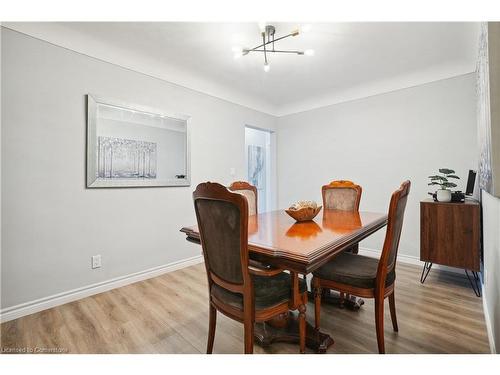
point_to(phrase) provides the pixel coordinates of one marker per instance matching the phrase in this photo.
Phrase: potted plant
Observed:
(443, 180)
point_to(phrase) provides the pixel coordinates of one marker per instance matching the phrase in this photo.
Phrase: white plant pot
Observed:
(443, 195)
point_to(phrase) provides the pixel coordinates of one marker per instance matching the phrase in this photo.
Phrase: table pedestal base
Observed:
(285, 328)
(332, 297)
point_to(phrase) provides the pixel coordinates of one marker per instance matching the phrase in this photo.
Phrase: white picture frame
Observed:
(135, 146)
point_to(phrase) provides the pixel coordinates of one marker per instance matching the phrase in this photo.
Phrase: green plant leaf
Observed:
(433, 183)
(434, 178)
(453, 176)
(446, 171)
(449, 184)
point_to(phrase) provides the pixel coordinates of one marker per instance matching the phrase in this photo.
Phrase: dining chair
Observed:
(364, 276)
(237, 289)
(249, 191)
(342, 195)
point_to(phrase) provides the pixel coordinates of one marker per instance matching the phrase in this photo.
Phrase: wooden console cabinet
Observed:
(450, 236)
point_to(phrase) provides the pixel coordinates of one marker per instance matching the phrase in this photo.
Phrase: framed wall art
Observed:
(134, 146)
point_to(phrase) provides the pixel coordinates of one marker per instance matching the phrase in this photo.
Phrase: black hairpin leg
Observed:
(474, 282)
(425, 271)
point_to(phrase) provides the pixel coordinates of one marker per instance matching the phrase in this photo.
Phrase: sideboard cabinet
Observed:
(450, 236)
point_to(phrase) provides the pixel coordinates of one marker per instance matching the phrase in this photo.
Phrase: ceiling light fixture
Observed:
(305, 28)
(267, 46)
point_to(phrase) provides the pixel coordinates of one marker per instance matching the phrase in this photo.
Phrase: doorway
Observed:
(258, 155)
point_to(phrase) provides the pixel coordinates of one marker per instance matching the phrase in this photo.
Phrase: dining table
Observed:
(276, 239)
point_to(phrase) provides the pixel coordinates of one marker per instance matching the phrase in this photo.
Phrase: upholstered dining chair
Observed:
(250, 193)
(236, 288)
(364, 276)
(342, 195)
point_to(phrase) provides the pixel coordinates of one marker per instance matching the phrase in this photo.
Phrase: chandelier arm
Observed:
(265, 52)
(275, 40)
(285, 36)
(276, 51)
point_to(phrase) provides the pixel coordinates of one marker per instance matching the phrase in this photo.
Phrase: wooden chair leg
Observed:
(249, 329)
(317, 292)
(302, 323)
(212, 321)
(354, 249)
(379, 323)
(392, 306)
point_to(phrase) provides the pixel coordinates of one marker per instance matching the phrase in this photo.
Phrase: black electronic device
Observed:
(457, 196)
(471, 180)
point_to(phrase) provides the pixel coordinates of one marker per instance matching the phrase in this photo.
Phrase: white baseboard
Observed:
(489, 328)
(31, 307)
(408, 259)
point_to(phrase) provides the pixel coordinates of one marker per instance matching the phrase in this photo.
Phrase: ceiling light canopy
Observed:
(268, 44)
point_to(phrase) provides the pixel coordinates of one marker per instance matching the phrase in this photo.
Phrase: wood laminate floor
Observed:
(169, 314)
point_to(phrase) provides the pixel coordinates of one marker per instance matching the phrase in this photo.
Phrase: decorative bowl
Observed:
(304, 213)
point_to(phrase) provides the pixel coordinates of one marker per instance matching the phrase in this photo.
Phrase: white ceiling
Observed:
(352, 60)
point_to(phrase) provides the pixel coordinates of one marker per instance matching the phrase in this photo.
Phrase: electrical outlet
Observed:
(96, 261)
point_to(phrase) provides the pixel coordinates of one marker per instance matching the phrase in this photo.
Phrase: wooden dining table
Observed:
(275, 238)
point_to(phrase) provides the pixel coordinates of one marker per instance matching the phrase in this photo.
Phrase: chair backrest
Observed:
(397, 207)
(223, 225)
(250, 193)
(341, 195)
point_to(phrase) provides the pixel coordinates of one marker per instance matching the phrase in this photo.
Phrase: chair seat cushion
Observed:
(354, 270)
(269, 291)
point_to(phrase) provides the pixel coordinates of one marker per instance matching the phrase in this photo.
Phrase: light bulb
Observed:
(309, 52)
(237, 55)
(305, 28)
(237, 49)
(266, 67)
(262, 26)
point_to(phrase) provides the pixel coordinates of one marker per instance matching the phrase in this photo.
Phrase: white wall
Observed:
(1, 84)
(490, 203)
(494, 84)
(378, 142)
(491, 274)
(52, 224)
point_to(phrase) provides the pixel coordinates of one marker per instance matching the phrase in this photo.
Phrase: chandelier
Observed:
(267, 46)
